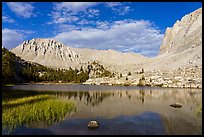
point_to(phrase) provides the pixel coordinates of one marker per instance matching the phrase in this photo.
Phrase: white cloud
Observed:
(66, 27)
(127, 35)
(68, 12)
(74, 6)
(62, 20)
(75, 12)
(7, 19)
(72, 15)
(124, 10)
(118, 7)
(113, 4)
(85, 22)
(92, 13)
(25, 32)
(21, 9)
(102, 25)
(11, 38)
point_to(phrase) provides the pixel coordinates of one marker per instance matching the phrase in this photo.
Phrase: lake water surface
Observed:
(120, 110)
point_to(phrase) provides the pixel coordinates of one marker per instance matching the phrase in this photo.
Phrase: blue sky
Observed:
(123, 26)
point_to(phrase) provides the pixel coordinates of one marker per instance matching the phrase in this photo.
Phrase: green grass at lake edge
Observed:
(35, 109)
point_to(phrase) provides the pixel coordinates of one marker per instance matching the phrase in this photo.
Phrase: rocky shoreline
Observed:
(181, 78)
(98, 81)
(185, 77)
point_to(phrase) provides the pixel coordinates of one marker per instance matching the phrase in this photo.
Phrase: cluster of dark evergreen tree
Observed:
(8, 66)
(41, 73)
(16, 70)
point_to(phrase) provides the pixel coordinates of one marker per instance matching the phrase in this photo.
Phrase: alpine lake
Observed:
(63, 109)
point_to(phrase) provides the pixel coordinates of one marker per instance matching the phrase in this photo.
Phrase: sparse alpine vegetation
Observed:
(97, 70)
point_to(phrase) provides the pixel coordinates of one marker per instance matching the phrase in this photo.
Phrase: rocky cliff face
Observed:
(47, 52)
(185, 34)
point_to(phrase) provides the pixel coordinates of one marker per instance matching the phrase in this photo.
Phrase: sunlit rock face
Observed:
(47, 52)
(181, 46)
(186, 33)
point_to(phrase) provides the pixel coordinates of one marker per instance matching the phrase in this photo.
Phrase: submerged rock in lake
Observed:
(176, 105)
(93, 124)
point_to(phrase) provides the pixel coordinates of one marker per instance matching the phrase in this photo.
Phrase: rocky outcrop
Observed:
(47, 52)
(186, 33)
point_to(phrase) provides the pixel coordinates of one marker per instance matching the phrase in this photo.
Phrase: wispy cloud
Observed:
(113, 4)
(124, 10)
(22, 9)
(72, 15)
(7, 19)
(80, 13)
(119, 8)
(69, 12)
(92, 13)
(66, 27)
(74, 6)
(62, 20)
(102, 25)
(127, 35)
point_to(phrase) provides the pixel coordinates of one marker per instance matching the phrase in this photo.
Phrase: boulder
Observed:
(93, 124)
(176, 105)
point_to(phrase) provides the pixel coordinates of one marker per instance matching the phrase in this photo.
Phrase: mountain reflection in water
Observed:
(131, 111)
